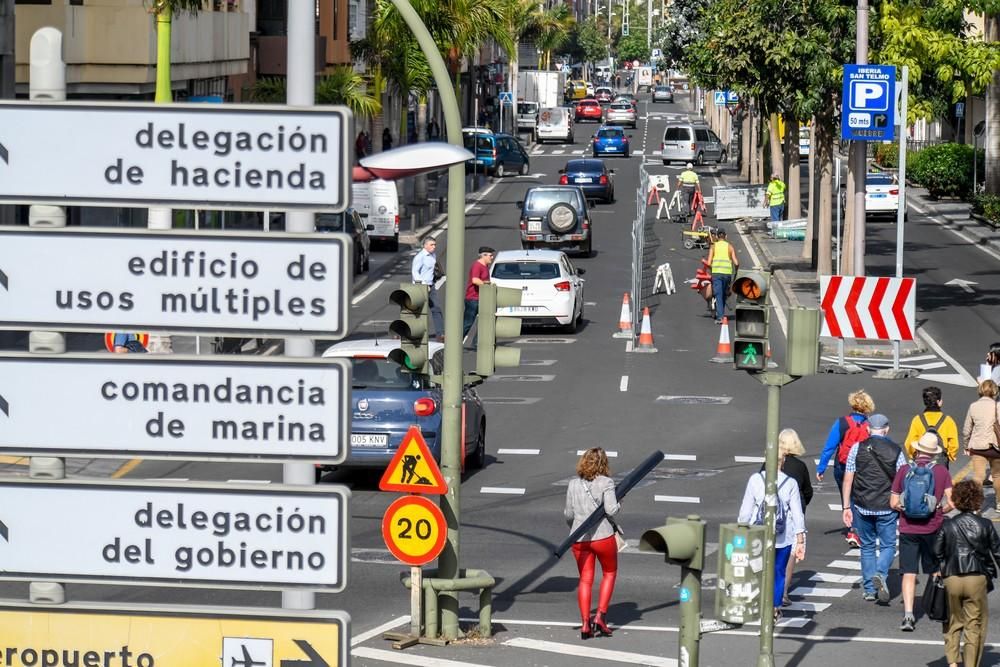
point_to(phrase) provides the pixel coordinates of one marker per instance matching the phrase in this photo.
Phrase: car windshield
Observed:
(574, 166)
(621, 106)
(482, 141)
(526, 270)
(878, 179)
(662, 89)
(610, 133)
(542, 200)
(383, 374)
(330, 222)
(528, 107)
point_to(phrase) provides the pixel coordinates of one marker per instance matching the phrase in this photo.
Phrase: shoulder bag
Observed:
(993, 451)
(619, 535)
(935, 599)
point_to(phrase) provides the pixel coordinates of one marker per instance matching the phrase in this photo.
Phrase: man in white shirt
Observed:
(422, 270)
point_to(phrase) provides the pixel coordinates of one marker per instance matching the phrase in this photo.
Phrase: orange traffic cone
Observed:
(724, 350)
(624, 320)
(645, 334)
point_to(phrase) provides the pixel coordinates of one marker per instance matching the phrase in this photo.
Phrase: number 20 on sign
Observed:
(414, 529)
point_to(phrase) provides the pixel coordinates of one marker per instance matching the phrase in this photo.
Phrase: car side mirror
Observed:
(519, 204)
(611, 171)
(562, 171)
(629, 136)
(592, 203)
(580, 272)
(370, 228)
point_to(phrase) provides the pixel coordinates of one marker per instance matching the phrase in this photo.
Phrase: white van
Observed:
(377, 202)
(554, 123)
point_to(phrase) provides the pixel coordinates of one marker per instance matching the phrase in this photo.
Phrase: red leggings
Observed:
(586, 553)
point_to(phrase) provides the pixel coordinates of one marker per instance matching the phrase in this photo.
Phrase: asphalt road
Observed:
(577, 391)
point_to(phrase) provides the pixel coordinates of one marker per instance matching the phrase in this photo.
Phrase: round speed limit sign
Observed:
(414, 530)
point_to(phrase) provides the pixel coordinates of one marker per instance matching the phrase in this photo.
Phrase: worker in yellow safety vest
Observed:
(775, 197)
(723, 264)
(688, 184)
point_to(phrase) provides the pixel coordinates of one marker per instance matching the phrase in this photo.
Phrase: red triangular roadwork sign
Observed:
(413, 468)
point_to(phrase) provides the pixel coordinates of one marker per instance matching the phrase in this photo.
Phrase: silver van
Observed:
(554, 123)
(687, 142)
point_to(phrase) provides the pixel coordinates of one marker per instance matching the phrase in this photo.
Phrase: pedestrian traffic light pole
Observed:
(451, 418)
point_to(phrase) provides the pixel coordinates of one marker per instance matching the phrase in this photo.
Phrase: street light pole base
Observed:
(764, 660)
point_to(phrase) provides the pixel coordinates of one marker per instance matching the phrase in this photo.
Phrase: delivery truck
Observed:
(543, 87)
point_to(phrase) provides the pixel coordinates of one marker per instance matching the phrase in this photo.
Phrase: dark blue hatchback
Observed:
(592, 176)
(611, 140)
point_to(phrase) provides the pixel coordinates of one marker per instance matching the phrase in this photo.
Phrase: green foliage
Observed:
(987, 204)
(887, 155)
(633, 47)
(944, 169)
(588, 43)
(553, 31)
(342, 86)
(679, 29)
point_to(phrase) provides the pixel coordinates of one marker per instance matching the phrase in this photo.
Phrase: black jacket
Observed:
(795, 468)
(875, 468)
(964, 544)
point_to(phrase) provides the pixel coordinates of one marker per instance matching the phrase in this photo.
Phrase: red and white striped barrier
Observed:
(867, 307)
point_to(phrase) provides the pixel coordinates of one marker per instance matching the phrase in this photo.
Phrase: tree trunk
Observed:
(774, 138)
(794, 175)
(847, 240)
(745, 133)
(513, 87)
(992, 145)
(824, 148)
(420, 182)
(812, 235)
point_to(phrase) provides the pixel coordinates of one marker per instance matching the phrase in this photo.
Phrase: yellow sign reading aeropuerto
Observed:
(80, 635)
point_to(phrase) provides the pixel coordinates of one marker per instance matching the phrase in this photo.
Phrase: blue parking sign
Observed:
(868, 103)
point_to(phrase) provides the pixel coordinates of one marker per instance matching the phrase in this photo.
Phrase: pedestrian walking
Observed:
(789, 523)
(433, 131)
(789, 450)
(586, 492)
(423, 272)
(967, 550)
(123, 343)
(933, 420)
(920, 519)
(774, 197)
(359, 146)
(844, 433)
(978, 434)
(723, 264)
(479, 274)
(386, 139)
(991, 369)
(868, 475)
(688, 183)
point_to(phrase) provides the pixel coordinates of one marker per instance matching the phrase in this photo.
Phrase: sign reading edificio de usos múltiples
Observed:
(206, 156)
(222, 283)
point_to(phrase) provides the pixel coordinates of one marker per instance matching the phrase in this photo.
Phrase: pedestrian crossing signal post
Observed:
(751, 315)
(493, 327)
(412, 327)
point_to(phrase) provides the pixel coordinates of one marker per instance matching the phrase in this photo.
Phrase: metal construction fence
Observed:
(644, 246)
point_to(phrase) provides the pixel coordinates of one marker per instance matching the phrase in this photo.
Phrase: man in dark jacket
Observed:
(871, 468)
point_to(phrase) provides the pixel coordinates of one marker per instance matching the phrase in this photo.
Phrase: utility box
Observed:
(740, 573)
(802, 357)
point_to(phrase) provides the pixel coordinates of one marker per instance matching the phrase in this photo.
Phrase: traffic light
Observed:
(802, 357)
(491, 327)
(411, 327)
(751, 316)
(681, 541)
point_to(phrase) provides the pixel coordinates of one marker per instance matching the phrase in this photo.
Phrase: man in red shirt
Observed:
(916, 536)
(478, 274)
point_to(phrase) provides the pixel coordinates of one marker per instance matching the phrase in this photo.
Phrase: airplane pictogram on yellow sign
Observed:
(413, 468)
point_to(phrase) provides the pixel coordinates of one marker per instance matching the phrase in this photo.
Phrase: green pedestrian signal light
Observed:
(751, 318)
(493, 328)
(412, 327)
(750, 355)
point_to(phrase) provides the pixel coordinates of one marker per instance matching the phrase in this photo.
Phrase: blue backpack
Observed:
(919, 501)
(779, 511)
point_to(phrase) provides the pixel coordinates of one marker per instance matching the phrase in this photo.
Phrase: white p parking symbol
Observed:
(869, 96)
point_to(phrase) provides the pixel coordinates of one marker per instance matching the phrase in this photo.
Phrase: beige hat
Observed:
(927, 444)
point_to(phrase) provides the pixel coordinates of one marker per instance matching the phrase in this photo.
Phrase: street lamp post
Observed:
(451, 419)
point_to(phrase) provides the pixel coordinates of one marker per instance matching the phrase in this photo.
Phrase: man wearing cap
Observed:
(868, 476)
(688, 183)
(775, 197)
(916, 535)
(479, 274)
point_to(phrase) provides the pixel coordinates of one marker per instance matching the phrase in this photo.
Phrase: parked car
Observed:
(554, 123)
(349, 222)
(511, 158)
(663, 94)
(687, 142)
(611, 141)
(377, 202)
(556, 216)
(604, 95)
(620, 113)
(591, 176)
(481, 142)
(386, 400)
(589, 110)
(551, 287)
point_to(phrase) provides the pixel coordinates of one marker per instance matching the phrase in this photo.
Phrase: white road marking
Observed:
(680, 457)
(375, 632)
(558, 151)
(601, 654)
(962, 235)
(509, 400)
(519, 451)
(538, 362)
(544, 341)
(947, 357)
(400, 658)
(812, 591)
(788, 622)
(827, 578)
(677, 499)
(577, 152)
(947, 378)
(590, 303)
(623, 385)
(845, 564)
(368, 290)
(853, 552)
(628, 345)
(523, 378)
(807, 606)
(638, 152)
(836, 507)
(610, 454)
(502, 490)
(748, 459)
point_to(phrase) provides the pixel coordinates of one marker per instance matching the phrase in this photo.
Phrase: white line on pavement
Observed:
(502, 490)
(368, 290)
(680, 457)
(962, 235)
(375, 632)
(400, 658)
(853, 552)
(812, 591)
(558, 151)
(519, 451)
(748, 459)
(788, 622)
(623, 385)
(602, 654)
(628, 345)
(947, 357)
(677, 499)
(798, 605)
(835, 507)
(827, 578)
(610, 454)
(845, 564)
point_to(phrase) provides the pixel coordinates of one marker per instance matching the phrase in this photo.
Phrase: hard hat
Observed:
(690, 166)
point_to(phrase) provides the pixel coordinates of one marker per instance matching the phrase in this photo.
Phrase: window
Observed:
(383, 374)
(610, 133)
(701, 135)
(714, 137)
(330, 222)
(526, 271)
(677, 134)
(539, 202)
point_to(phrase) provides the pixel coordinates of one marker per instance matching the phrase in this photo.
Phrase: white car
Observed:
(590, 87)
(881, 195)
(551, 287)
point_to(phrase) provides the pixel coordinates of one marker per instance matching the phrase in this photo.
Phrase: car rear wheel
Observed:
(394, 244)
(499, 172)
(524, 169)
(478, 459)
(573, 323)
(722, 157)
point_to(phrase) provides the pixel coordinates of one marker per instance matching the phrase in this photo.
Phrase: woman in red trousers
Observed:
(592, 487)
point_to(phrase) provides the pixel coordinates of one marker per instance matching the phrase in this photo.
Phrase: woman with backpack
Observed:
(790, 449)
(967, 550)
(789, 523)
(981, 443)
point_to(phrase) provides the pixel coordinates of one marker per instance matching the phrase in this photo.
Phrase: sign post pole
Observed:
(416, 598)
(901, 208)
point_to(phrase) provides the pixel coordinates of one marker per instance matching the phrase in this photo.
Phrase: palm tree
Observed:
(554, 27)
(992, 147)
(164, 11)
(341, 86)
(524, 16)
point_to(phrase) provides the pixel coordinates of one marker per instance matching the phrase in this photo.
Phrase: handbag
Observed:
(936, 599)
(996, 431)
(620, 541)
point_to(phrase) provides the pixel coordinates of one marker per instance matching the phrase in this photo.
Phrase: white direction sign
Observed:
(218, 535)
(247, 283)
(201, 155)
(171, 406)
